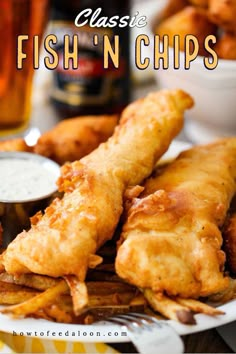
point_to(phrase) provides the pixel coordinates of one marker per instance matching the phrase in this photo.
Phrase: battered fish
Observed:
(65, 239)
(171, 242)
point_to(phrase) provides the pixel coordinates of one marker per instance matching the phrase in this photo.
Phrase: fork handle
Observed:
(165, 341)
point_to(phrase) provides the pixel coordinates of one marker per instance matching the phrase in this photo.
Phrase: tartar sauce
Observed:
(22, 180)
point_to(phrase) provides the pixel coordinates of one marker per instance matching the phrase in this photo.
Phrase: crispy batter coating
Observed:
(226, 47)
(64, 240)
(223, 14)
(171, 241)
(74, 138)
(191, 20)
(17, 144)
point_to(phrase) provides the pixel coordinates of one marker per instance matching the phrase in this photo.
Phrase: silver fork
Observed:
(149, 335)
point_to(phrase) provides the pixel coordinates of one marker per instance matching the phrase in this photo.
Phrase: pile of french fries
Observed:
(39, 296)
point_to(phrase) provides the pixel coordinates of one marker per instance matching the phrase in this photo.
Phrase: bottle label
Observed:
(90, 84)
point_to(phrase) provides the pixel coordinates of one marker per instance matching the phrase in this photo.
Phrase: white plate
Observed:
(104, 332)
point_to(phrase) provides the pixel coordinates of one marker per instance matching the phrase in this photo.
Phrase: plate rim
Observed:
(35, 326)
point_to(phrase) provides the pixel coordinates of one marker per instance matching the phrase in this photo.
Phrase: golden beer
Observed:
(17, 17)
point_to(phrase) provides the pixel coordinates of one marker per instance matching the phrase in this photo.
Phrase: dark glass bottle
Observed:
(90, 89)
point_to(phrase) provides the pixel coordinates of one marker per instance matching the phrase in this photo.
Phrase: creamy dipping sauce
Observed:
(25, 179)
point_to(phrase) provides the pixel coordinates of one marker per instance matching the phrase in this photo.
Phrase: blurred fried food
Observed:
(223, 14)
(200, 18)
(226, 46)
(72, 139)
(200, 3)
(171, 8)
(17, 144)
(190, 21)
(229, 236)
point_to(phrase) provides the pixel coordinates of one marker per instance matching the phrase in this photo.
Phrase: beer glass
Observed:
(18, 17)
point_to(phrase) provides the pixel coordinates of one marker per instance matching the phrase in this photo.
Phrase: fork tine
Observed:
(149, 335)
(120, 321)
(136, 322)
(150, 319)
(116, 320)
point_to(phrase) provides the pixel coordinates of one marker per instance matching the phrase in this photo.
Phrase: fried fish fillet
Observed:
(65, 239)
(74, 138)
(171, 241)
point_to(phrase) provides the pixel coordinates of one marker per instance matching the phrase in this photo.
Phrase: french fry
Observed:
(11, 294)
(226, 295)
(106, 295)
(106, 287)
(38, 302)
(199, 307)
(16, 297)
(35, 281)
(58, 314)
(101, 312)
(138, 300)
(89, 319)
(110, 299)
(40, 314)
(11, 287)
(169, 308)
(79, 294)
(95, 275)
